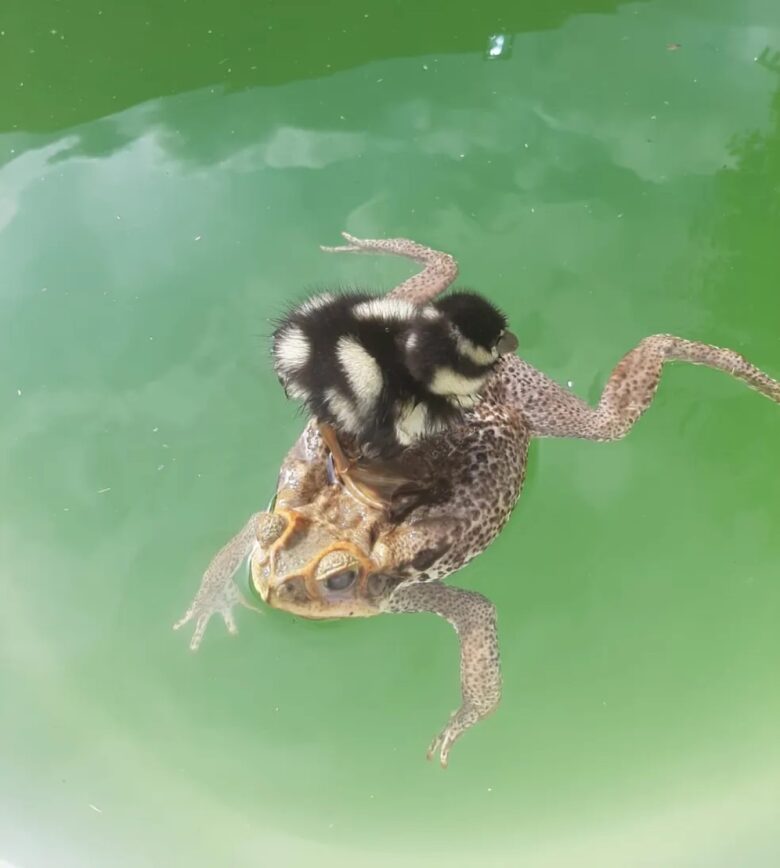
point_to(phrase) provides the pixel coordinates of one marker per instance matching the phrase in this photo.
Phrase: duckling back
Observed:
(342, 357)
(384, 371)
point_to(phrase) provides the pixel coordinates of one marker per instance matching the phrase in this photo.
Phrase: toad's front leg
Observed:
(474, 619)
(218, 592)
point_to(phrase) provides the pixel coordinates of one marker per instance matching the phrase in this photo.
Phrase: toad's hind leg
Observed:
(439, 272)
(552, 411)
(474, 619)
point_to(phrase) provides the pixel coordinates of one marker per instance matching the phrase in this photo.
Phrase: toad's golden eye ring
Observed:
(336, 568)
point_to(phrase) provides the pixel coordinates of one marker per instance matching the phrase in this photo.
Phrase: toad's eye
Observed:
(341, 581)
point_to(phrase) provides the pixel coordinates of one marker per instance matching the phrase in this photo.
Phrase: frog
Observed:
(346, 538)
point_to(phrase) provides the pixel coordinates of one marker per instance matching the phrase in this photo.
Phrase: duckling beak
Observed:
(507, 343)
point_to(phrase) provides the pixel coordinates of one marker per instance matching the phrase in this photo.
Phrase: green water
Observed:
(167, 174)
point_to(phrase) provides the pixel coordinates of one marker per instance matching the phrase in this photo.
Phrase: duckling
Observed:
(387, 372)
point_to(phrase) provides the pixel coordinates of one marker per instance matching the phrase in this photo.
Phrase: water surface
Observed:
(166, 177)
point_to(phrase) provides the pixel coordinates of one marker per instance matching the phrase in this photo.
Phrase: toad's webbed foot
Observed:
(458, 723)
(440, 270)
(474, 619)
(218, 592)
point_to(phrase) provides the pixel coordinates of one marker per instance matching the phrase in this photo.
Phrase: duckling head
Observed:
(480, 327)
(454, 345)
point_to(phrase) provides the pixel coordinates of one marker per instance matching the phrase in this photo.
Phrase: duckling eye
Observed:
(341, 581)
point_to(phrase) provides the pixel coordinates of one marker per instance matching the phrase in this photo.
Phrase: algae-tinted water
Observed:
(168, 172)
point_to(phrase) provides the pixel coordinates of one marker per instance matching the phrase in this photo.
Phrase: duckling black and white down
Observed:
(385, 371)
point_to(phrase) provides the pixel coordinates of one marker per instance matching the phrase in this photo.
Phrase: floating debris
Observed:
(499, 46)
